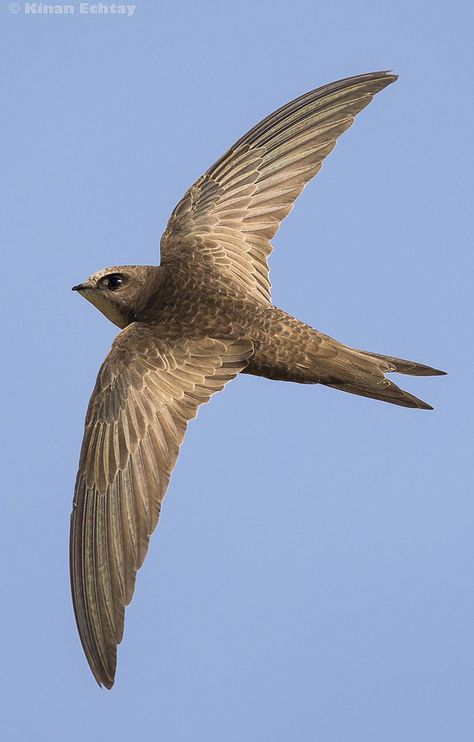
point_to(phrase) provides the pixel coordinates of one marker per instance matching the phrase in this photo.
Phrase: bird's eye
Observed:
(113, 281)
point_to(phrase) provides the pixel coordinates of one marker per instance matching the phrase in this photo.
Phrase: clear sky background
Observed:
(312, 574)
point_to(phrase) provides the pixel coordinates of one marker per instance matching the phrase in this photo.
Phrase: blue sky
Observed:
(311, 577)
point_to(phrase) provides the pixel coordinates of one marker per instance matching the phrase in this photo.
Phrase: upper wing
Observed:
(232, 212)
(146, 391)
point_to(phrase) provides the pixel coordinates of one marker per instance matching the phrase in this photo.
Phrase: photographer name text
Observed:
(68, 9)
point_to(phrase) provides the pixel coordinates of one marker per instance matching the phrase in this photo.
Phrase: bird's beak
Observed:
(81, 287)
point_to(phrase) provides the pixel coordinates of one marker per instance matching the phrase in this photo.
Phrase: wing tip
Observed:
(106, 684)
(385, 76)
(103, 676)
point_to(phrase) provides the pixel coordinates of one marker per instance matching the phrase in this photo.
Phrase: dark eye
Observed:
(113, 281)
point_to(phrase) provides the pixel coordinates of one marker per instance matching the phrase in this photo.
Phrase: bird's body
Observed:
(189, 326)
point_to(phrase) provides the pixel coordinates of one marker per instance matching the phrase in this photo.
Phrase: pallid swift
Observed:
(189, 326)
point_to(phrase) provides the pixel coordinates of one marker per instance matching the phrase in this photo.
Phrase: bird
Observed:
(189, 326)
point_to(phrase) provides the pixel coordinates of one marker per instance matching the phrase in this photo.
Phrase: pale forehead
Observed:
(105, 272)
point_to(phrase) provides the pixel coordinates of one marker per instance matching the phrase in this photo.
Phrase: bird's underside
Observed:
(191, 325)
(293, 351)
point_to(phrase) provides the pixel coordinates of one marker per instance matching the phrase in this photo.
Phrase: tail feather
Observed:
(403, 366)
(363, 373)
(388, 392)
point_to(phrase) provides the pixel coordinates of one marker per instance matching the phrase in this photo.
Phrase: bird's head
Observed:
(120, 291)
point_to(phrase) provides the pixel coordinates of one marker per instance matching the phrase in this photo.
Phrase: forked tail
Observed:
(365, 376)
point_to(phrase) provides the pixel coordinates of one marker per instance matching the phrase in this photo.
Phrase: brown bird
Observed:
(192, 324)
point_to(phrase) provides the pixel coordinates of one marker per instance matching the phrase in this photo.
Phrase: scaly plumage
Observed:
(190, 326)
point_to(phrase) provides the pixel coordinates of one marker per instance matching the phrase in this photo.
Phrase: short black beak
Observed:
(79, 287)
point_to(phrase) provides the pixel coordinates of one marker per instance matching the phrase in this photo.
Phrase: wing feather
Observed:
(147, 390)
(233, 211)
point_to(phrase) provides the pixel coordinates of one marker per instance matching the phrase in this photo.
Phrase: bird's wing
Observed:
(146, 391)
(232, 212)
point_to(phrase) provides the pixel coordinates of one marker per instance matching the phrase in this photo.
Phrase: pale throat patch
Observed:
(107, 307)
